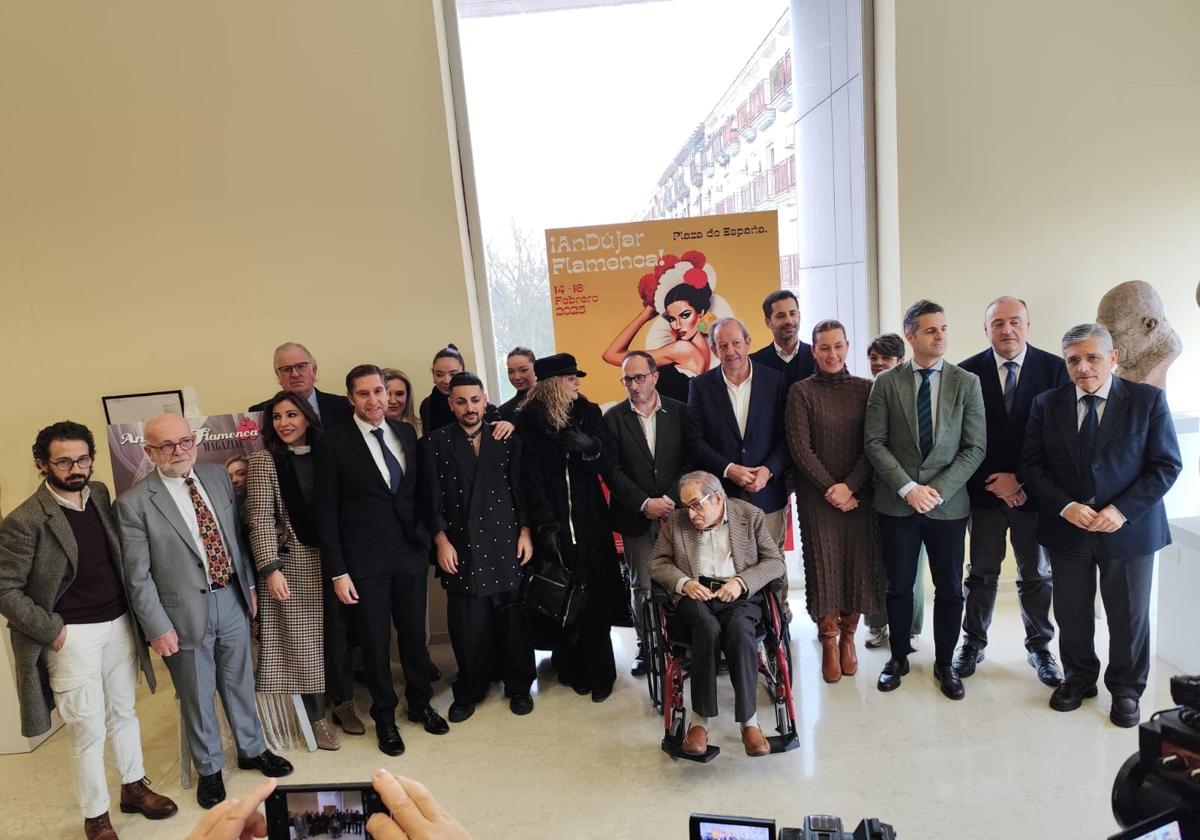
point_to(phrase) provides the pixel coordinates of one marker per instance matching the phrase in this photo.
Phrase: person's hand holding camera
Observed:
(415, 814)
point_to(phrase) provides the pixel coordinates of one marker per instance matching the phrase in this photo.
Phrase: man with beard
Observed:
(787, 353)
(64, 593)
(296, 370)
(521, 377)
(476, 513)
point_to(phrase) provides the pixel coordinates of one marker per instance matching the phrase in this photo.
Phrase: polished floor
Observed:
(999, 764)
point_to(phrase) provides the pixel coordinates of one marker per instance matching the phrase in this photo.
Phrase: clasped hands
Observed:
(841, 497)
(1104, 521)
(1007, 488)
(750, 479)
(730, 592)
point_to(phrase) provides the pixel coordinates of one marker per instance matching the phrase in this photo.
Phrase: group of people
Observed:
(353, 497)
(311, 824)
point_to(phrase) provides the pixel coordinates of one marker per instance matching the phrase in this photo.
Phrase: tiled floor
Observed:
(1000, 764)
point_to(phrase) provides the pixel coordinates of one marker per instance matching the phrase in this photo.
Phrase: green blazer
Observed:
(959, 440)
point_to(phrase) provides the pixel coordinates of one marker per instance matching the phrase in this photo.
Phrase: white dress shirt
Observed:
(649, 421)
(935, 387)
(183, 502)
(1002, 371)
(739, 398)
(715, 559)
(67, 503)
(787, 357)
(389, 439)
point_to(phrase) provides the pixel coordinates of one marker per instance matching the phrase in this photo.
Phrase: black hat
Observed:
(560, 364)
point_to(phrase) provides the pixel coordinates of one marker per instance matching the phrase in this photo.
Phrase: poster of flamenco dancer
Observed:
(658, 286)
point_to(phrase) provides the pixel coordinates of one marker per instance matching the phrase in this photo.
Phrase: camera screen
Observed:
(729, 831)
(1170, 831)
(324, 814)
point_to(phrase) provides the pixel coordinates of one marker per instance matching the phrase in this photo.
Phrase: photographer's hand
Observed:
(415, 814)
(235, 819)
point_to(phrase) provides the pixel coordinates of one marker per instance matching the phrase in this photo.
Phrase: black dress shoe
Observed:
(210, 790)
(889, 680)
(1126, 712)
(266, 763)
(965, 660)
(520, 704)
(428, 717)
(1068, 697)
(949, 681)
(1047, 669)
(601, 696)
(460, 711)
(389, 739)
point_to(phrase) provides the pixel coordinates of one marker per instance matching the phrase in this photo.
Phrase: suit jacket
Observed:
(480, 504)
(635, 475)
(1006, 432)
(757, 559)
(1136, 462)
(38, 562)
(364, 530)
(802, 365)
(167, 584)
(719, 443)
(891, 439)
(334, 409)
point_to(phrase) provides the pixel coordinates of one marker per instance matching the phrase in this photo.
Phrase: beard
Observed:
(73, 483)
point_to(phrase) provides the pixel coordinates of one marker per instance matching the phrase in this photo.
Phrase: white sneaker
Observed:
(877, 637)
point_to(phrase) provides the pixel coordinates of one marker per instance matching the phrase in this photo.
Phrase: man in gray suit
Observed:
(191, 587)
(925, 436)
(62, 589)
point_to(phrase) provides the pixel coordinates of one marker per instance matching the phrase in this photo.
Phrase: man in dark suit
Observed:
(375, 550)
(925, 436)
(474, 507)
(1100, 453)
(653, 434)
(1011, 373)
(787, 354)
(296, 370)
(738, 411)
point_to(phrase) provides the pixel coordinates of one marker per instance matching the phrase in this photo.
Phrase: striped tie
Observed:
(925, 412)
(1010, 386)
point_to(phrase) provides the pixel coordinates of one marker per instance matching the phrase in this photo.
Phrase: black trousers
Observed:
(394, 600)
(989, 526)
(1125, 590)
(489, 636)
(714, 626)
(339, 670)
(943, 539)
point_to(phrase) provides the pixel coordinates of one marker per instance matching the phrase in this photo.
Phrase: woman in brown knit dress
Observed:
(825, 415)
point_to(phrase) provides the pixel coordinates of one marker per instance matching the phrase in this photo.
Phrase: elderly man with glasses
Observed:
(714, 555)
(296, 370)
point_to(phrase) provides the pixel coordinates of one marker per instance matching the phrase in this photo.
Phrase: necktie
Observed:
(1087, 446)
(219, 567)
(925, 412)
(1010, 386)
(393, 466)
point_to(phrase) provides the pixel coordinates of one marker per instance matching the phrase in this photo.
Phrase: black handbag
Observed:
(550, 592)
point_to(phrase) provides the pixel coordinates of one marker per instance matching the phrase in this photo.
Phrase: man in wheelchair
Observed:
(713, 557)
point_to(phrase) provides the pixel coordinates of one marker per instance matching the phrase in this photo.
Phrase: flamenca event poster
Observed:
(220, 439)
(658, 286)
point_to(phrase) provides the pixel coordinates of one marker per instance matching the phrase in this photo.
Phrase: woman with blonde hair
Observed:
(400, 398)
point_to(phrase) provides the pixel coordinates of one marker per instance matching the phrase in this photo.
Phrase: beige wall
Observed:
(1046, 150)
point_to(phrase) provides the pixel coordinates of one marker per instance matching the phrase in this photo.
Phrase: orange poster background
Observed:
(599, 274)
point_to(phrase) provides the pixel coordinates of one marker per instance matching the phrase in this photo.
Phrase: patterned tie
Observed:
(925, 412)
(1087, 445)
(395, 473)
(1010, 386)
(219, 567)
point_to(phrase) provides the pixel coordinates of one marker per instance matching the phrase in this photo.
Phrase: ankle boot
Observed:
(848, 622)
(831, 666)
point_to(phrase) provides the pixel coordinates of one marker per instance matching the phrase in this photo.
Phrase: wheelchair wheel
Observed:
(655, 654)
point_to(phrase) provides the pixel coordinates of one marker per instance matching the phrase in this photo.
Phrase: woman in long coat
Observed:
(566, 447)
(825, 416)
(280, 501)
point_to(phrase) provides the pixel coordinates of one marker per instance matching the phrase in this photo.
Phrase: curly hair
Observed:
(62, 430)
(555, 400)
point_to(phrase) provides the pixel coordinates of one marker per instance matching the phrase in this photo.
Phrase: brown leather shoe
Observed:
(848, 623)
(345, 717)
(696, 741)
(324, 736)
(831, 661)
(137, 798)
(99, 828)
(754, 741)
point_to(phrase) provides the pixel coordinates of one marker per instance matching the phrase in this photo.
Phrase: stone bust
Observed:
(1146, 345)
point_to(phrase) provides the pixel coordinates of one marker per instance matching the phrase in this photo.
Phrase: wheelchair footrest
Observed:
(674, 748)
(781, 743)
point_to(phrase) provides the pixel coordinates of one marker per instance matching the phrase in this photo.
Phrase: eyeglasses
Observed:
(637, 378)
(698, 505)
(288, 370)
(65, 464)
(170, 446)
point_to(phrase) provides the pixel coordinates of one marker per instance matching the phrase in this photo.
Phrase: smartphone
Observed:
(297, 812)
(714, 827)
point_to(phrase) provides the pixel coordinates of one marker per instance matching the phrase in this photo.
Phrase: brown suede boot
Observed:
(848, 623)
(827, 631)
(137, 798)
(99, 828)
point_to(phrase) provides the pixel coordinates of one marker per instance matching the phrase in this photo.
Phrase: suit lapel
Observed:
(161, 498)
(634, 427)
(947, 394)
(59, 526)
(908, 399)
(464, 456)
(104, 510)
(691, 545)
(1068, 422)
(993, 394)
(1114, 413)
(760, 400)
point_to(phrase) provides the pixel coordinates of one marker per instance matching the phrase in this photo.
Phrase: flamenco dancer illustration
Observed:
(679, 303)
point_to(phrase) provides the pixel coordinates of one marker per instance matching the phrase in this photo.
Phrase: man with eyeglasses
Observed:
(714, 556)
(296, 370)
(64, 593)
(653, 434)
(191, 586)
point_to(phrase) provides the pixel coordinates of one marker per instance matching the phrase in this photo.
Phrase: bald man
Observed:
(191, 587)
